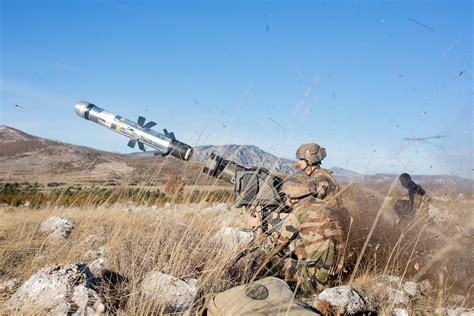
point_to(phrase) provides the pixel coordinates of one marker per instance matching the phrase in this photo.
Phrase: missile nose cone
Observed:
(81, 108)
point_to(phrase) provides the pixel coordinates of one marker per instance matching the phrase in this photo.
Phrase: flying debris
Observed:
(282, 129)
(139, 132)
(17, 106)
(450, 47)
(425, 140)
(462, 73)
(424, 25)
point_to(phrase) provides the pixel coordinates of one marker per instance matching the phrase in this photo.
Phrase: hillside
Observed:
(33, 159)
(29, 158)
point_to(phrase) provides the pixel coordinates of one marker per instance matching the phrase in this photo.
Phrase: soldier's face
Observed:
(301, 164)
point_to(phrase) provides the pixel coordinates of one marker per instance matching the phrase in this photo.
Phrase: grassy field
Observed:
(139, 234)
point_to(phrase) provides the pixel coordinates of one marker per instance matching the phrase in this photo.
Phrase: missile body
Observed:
(139, 132)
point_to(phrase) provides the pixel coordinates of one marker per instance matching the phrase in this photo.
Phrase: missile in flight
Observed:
(139, 132)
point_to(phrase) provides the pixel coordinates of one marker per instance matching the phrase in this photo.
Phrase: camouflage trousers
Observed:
(307, 276)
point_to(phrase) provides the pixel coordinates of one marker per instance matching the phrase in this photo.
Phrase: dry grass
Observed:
(421, 250)
(180, 241)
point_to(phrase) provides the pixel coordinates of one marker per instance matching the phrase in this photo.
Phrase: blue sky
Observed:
(356, 77)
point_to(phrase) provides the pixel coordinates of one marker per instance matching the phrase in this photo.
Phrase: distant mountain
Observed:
(246, 155)
(25, 157)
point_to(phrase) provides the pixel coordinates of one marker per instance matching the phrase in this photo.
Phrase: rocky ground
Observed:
(158, 260)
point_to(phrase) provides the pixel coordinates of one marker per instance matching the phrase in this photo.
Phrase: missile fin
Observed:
(141, 146)
(132, 143)
(149, 124)
(168, 134)
(141, 121)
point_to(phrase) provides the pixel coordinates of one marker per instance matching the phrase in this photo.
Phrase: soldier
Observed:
(418, 200)
(309, 238)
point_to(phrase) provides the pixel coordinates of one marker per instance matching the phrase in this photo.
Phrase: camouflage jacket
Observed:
(323, 183)
(309, 235)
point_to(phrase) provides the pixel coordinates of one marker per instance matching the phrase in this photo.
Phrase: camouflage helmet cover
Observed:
(312, 153)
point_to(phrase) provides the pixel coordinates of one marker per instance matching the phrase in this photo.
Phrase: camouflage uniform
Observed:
(309, 238)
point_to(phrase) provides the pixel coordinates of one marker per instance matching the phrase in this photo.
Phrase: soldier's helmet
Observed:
(312, 153)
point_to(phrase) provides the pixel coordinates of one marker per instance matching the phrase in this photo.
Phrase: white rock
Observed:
(398, 297)
(93, 254)
(57, 227)
(82, 294)
(426, 286)
(90, 239)
(344, 299)
(400, 312)
(391, 279)
(8, 285)
(97, 266)
(168, 290)
(103, 231)
(56, 289)
(412, 289)
(234, 237)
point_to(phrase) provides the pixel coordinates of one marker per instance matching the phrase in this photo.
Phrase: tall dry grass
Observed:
(435, 251)
(181, 241)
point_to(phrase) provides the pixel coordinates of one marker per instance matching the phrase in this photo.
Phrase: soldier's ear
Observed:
(307, 164)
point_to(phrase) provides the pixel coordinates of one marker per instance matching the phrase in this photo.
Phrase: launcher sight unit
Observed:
(254, 188)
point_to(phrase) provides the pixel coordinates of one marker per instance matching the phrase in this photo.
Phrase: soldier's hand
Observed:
(252, 220)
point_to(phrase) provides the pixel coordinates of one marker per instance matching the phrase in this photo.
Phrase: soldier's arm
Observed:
(276, 240)
(322, 189)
